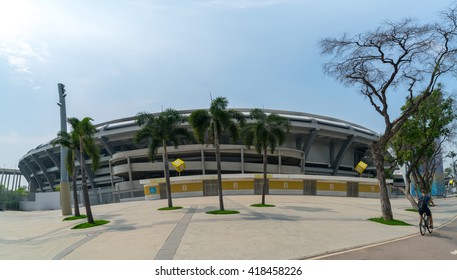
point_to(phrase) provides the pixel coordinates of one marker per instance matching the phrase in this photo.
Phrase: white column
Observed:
(130, 174)
(203, 161)
(242, 160)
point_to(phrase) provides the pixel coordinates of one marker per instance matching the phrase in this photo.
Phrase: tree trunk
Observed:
(407, 190)
(265, 162)
(417, 182)
(166, 172)
(90, 218)
(75, 193)
(218, 166)
(453, 167)
(386, 207)
(412, 201)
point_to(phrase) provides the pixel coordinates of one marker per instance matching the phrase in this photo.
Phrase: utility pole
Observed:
(65, 201)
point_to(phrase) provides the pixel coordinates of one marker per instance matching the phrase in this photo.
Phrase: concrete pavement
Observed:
(299, 227)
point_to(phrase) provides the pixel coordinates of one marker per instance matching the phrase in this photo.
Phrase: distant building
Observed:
(10, 178)
(438, 187)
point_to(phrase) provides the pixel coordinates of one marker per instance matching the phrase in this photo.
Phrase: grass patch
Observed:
(223, 212)
(390, 223)
(170, 208)
(72, 218)
(262, 205)
(87, 225)
(412, 210)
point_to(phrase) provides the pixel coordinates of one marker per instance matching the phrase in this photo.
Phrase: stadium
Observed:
(317, 148)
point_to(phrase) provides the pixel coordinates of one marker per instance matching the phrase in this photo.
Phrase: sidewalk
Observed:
(299, 227)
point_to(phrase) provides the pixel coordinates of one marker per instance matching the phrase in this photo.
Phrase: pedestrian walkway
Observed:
(299, 227)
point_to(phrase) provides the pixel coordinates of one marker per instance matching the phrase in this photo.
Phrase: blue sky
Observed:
(119, 57)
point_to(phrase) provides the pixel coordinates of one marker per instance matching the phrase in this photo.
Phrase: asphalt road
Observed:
(441, 244)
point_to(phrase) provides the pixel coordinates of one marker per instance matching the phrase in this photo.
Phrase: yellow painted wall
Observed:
(248, 184)
(331, 186)
(286, 185)
(187, 187)
(373, 188)
(238, 185)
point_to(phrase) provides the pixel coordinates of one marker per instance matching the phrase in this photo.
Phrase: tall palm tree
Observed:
(71, 142)
(84, 131)
(213, 122)
(162, 129)
(267, 131)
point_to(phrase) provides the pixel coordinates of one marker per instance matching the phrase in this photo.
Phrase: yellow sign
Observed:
(179, 165)
(361, 167)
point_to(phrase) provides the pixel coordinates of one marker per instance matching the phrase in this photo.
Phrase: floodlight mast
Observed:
(63, 127)
(65, 202)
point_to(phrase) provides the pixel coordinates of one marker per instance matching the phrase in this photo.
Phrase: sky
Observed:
(120, 57)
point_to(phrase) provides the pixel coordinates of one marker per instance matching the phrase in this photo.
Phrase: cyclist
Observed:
(424, 200)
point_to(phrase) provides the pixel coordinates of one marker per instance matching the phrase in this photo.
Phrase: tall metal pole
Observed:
(65, 201)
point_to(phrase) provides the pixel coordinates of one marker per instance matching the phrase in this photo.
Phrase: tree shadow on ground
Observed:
(269, 216)
(308, 209)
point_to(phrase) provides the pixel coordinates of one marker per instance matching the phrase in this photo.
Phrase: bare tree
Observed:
(398, 58)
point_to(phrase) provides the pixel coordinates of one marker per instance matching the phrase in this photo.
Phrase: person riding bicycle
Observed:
(424, 200)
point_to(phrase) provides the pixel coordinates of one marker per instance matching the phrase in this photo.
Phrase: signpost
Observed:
(361, 167)
(179, 165)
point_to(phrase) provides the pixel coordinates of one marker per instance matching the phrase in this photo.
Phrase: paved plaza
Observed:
(299, 227)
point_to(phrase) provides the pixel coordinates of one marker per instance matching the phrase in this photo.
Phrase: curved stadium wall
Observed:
(315, 145)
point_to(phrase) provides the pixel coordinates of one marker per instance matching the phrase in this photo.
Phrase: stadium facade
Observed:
(315, 145)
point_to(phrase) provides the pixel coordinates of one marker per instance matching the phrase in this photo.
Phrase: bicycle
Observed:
(424, 225)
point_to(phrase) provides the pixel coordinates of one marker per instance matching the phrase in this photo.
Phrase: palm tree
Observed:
(71, 142)
(162, 129)
(268, 131)
(212, 122)
(84, 130)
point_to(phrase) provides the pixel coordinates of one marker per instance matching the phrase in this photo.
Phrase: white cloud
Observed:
(13, 138)
(15, 17)
(21, 56)
(14, 145)
(244, 4)
(19, 46)
(19, 64)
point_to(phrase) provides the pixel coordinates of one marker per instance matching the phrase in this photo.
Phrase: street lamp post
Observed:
(65, 201)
